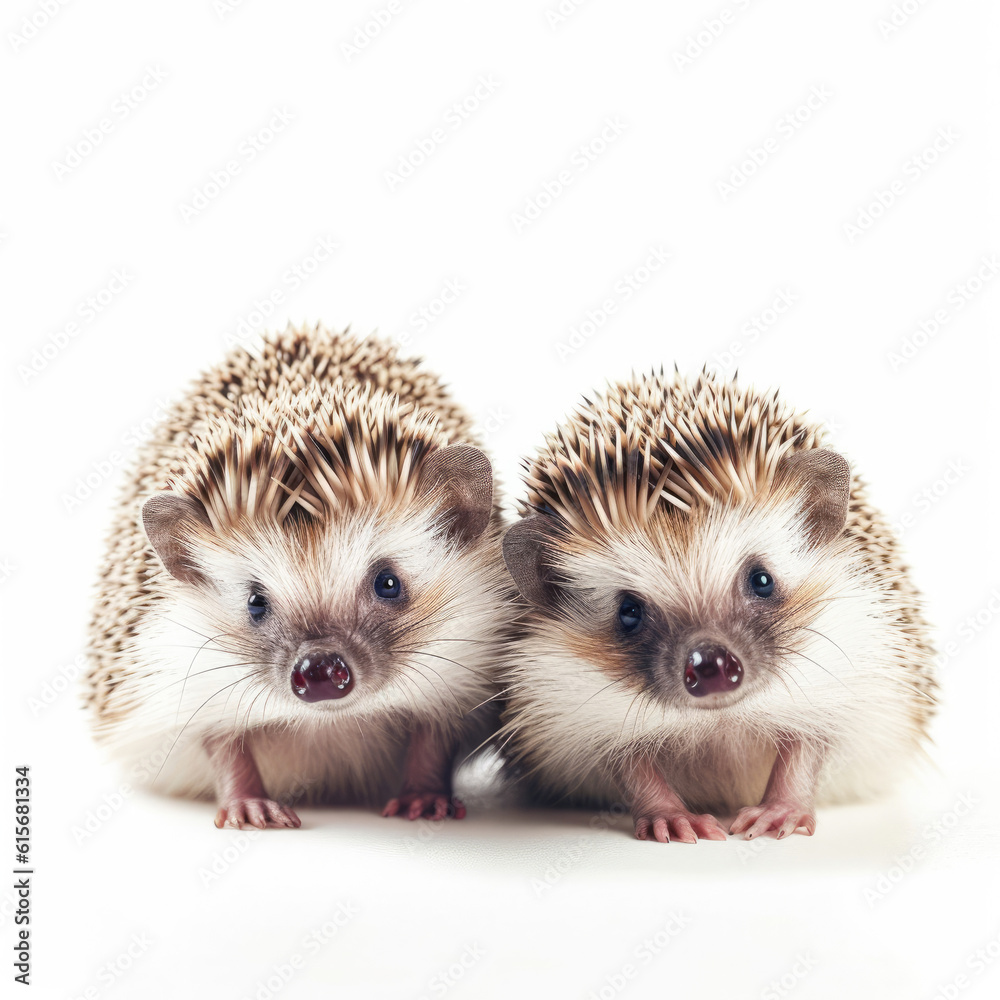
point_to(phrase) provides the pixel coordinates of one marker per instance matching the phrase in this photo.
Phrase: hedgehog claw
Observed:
(780, 818)
(240, 813)
(681, 827)
(424, 805)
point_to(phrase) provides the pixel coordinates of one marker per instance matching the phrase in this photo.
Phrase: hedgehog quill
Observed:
(717, 620)
(303, 593)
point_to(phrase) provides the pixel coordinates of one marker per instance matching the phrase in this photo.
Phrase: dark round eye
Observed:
(387, 584)
(762, 583)
(630, 614)
(257, 606)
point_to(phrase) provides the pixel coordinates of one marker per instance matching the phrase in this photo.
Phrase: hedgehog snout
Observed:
(712, 669)
(321, 676)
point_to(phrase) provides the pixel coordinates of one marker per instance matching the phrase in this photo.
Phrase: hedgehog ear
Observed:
(523, 552)
(824, 479)
(167, 519)
(462, 478)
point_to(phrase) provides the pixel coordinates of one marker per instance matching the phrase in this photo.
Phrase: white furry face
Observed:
(270, 598)
(743, 578)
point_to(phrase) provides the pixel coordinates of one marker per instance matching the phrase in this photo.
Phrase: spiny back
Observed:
(656, 438)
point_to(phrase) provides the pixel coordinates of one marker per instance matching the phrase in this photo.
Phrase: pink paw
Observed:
(239, 813)
(682, 827)
(430, 805)
(782, 818)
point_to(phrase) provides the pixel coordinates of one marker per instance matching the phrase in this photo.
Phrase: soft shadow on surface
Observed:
(503, 833)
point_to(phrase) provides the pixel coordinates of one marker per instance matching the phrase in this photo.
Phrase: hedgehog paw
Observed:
(780, 818)
(682, 827)
(426, 805)
(236, 814)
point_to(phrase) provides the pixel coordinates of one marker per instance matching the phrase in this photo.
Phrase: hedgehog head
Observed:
(331, 540)
(679, 538)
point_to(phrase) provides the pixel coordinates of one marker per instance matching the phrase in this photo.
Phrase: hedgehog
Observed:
(303, 595)
(716, 622)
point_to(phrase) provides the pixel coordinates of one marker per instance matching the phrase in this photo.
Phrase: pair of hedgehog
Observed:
(307, 596)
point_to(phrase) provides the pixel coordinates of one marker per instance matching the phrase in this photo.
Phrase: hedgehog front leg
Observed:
(658, 812)
(787, 806)
(239, 790)
(426, 790)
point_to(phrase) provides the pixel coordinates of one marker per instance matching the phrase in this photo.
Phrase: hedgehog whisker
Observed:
(409, 697)
(246, 725)
(627, 710)
(499, 748)
(208, 670)
(244, 729)
(794, 652)
(616, 680)
(190, 665)
(492, 736)
(427, 621)
(239, 680)
(267, 701)
(641, 720)
(225, 704)
(483, 642)
(784, 678)
(437, 656)
(828, 639)
(182, 645)
(174, 621)
(428, 618)
(808, 605)
(492, 697)
(451, 692)
(433, 618)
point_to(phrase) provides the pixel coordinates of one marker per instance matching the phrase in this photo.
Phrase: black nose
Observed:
(321, 676)
(711, 669)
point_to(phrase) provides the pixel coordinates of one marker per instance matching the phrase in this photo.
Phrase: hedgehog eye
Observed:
(761, 583)
(257, 606)
(630, 614)
(387, 584)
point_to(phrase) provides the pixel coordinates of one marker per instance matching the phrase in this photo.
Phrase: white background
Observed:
(555, 907)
